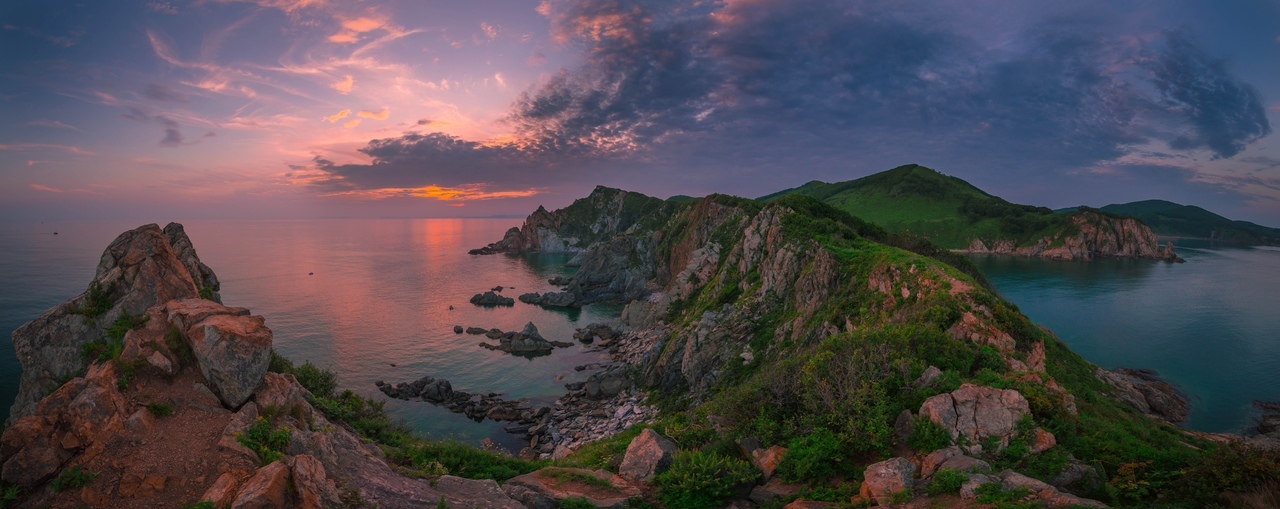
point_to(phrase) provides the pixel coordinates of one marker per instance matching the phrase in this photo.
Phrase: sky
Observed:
(326, 108)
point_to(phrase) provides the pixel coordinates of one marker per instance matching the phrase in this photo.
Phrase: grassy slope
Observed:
(917, 200)
(1168, 218)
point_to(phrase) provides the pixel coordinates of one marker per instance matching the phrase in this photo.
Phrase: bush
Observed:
(321, 382)
(97, 302)
(71, 479)
(947, 480)
(160, 409)
(575, 503)
(699, 479)
(267, 442)
(926, 435)
(812, 459)
(460, 460)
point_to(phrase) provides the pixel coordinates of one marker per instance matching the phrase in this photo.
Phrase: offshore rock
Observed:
(138, 270)
(490, 298)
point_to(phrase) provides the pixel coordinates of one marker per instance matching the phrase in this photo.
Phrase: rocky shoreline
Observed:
(1099, 236)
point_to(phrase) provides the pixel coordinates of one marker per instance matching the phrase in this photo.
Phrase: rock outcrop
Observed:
(490, 298)
(1147, 392)
(603, 213)
(137, 271)
(155, 426)
(1096, 234)
(526, 342)
(881, 481)
(547, 488)
(647, 455)
(977, 412)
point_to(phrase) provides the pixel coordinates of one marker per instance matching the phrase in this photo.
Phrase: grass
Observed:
(565, 475)
(160, 409)
(97, 302)
(268, 442)
(72, 478)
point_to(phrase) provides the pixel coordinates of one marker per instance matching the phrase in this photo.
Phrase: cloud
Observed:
(425, 121)
(338, 116)
(1225, 114)
(345, 85)
(53, 123)
(376, 115)
(490, 31)
(161, 93)
(32, 147)
(50, 189)
(162, 7)
(470, 192)
(351, 123)
(354, 27)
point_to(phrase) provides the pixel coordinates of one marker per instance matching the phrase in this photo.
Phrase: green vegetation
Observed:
(160, 409)
(927, 435)
(459, 459)
(203, 504)
(97, 302)
(575, 503)
(946, 480)
(71, 478)
(268, 442)
(1000, 498)
(206, 293)
(1172, 219)
(700, 479)
(816, 456)
(566, 475)
(918, 201)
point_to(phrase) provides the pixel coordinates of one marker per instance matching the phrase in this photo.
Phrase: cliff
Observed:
(569, 230)
(147, 391)
(955, 214)
(1092, 235)
(791, 323)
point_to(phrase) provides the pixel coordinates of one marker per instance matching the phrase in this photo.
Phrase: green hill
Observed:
(951, 212)
(1173, 219)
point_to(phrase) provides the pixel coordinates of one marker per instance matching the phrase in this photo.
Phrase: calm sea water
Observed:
(1211, 326)
(376, 308)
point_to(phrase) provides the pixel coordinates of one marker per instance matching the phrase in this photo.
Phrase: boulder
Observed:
(138, 270)
(767, 460)
(546, 488)
(476, 330)
(457, 329)
(222, 492)
(969, 489)
(977, 412)
(492, 299)
(606, 384)
(312, 488)
(773, 491)
(233, 353)
(883, 480)
(647, 456)
(1041, 440)
(267, 489)
(1147, 392)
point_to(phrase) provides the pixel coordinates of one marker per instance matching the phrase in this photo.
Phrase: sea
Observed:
(377, 300)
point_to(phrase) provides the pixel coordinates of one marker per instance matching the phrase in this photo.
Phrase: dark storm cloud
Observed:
(825, 82)
(1225, 114)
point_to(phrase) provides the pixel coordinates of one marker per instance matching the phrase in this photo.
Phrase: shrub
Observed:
(71, 479)
(813, 458)
(698, 479)
(267, 442)
(927, 435)
(1231, 468)
(97, 302)
(320, 382)
(575, 503)
(460, 460)
(203, 504)
(160, 409)
(947, 480)
(178, 344)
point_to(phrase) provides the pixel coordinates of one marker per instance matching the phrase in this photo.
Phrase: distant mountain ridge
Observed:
(1177, 220)
(958, 215)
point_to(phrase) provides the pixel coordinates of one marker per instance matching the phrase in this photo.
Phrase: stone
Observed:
(137, 271)
(530, 331)
(884, 479)
(545, 488)
(141, 421)
(139, 485)
(222, 492)
(934, 460)
(969, 489)
(233, 353)
(647, 456)
(161, 363)
(457, 329)
(606, 384)
(767, 460)
(930, 374)
(902, 425)
(773, 491)
(267, 489)
(1042, 440)
(476, 330)
(977, 412)
(966, 464)
(1147, 392)
(312, 488)
(490, 298)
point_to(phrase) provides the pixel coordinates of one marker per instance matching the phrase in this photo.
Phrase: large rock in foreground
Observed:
(138, 270)
(231, 348)
(647, 456)
(977, 412)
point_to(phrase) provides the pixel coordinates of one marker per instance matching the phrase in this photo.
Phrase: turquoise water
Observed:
(1211, 326)
(379, 297)
(381, 292)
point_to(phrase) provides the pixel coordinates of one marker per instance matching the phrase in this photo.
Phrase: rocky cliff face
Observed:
(140, 269)
(157, 415)
(1095, 235)
(603, 213)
